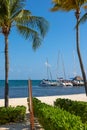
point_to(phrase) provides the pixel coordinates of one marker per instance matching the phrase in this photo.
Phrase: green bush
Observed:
(12, 114)
(53, 118)
(78, 108)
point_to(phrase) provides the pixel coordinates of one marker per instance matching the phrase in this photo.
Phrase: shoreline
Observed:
(46, 99)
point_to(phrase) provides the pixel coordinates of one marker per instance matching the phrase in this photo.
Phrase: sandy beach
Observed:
(23, 101)
(50, 99)
(47, 99)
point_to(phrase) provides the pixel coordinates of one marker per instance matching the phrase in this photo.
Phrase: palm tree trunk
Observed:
(78, 51)
(6, 72)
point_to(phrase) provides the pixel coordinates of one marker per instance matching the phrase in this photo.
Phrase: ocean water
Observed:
(19, 88)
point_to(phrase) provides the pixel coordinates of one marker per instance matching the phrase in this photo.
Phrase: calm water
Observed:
(19, 88)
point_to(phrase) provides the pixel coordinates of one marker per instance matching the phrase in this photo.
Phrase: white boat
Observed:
(46, 82)
(63, 82)
(67, 83)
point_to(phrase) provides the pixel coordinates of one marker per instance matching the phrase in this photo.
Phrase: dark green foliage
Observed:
(53, 118)
(75, 107)
(12, 114)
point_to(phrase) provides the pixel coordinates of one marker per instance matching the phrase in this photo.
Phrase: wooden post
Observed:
(31, 105)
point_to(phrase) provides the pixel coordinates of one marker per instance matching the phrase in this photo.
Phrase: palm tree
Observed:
(13, 14)
(68, 5)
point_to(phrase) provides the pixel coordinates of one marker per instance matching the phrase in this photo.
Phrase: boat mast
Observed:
(49, 74)
(63, 66)
(74, 71)
(58, 63)
(47, 69)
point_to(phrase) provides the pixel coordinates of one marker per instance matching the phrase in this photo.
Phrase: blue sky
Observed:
(58, 46)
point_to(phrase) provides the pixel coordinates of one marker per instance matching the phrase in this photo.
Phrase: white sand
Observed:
(48, 99)
(15, 102)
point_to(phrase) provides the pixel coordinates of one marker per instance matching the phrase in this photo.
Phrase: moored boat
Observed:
(46, 82)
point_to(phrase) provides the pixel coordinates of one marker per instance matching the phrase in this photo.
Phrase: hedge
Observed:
(12, 114)
(52, 118)
(78, 108)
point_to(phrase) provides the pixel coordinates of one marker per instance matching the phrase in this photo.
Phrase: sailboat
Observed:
(61, 81)
(48, 82)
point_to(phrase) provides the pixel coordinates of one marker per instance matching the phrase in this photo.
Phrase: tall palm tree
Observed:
(13, 14)
(68, 5)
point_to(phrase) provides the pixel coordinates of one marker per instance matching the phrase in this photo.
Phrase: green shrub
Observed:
(12, 114)
(78, 108)
(53, 118)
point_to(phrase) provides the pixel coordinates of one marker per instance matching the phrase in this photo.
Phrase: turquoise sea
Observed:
(19, 88)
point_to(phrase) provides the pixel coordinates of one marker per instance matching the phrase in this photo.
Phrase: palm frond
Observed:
(36, 42)
(21, 16)
(83, 18)
(56, 7)
(16, 6)
(67, 5)
(3, 7)
(12, 13)
(82, 2)
(31, 34)
(37, 23)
